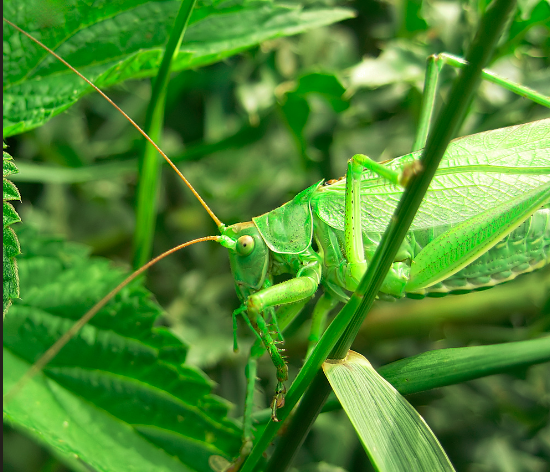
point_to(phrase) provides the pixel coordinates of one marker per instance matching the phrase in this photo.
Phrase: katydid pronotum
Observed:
(505, 172)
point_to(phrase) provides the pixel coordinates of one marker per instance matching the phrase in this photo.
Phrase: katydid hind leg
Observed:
(351, 273)
(435, 64)
(354, 248)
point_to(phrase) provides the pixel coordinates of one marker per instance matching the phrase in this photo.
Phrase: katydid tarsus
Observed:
(484, 221)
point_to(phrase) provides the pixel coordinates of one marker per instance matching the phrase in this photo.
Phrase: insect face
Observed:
(249, 258)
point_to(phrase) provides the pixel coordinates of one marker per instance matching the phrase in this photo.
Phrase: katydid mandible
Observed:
(484, 221)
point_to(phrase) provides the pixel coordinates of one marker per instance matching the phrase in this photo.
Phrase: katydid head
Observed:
(248, 257)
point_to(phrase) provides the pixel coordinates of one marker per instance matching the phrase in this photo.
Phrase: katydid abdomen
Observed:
(525, 249)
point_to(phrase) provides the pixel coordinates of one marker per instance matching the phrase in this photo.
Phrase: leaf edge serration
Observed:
(10, 244)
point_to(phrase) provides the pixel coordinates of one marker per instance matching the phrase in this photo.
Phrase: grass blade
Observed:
(394, 435)
(443, 367)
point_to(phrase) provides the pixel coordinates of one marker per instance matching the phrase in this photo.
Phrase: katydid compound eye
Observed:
(245, 245)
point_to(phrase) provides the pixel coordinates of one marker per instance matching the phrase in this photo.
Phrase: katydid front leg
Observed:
(295, 290)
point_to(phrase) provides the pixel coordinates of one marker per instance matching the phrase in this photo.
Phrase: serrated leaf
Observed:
(119, 375)
(124, 40)
(10, 244)
(394, 435)
(10, 191)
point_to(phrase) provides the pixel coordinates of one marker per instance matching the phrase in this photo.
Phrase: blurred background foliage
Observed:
(251, 132)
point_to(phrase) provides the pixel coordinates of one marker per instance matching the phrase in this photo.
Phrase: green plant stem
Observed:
(150, 161)
(355, 310)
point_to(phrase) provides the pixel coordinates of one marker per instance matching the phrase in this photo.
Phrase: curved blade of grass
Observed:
(394, 435)
(443, 367)
(150, 161)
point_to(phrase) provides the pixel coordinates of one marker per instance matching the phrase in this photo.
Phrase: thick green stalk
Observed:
(355, 311)
(150, 161)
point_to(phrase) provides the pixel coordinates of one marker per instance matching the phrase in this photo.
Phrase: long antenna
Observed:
(56, 347)
(166, 158)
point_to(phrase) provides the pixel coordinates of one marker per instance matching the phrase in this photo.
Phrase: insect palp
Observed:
(228, 242)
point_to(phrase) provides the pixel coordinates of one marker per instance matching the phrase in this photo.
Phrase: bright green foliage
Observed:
(10, 246)
(394, 435)
(124, 40)
(296, 109)
(118, 395)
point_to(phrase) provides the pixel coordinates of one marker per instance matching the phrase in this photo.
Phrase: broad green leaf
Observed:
(394, 435)
(295, 106)
(326, 85)
(10, 245)
(124, 40)
(118, 395)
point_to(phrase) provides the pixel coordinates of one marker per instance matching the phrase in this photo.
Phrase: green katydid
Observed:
(447, 250)
(505, 172)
